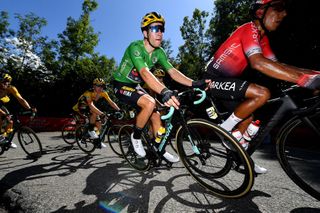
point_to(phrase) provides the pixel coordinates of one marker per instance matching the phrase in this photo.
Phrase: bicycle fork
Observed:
(195, 149)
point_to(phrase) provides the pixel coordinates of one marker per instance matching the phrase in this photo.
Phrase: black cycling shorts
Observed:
(128, 93)
(228, 91)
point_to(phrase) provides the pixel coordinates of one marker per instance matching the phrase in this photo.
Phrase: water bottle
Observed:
(237, 134)
(252, 130)
(160, 134)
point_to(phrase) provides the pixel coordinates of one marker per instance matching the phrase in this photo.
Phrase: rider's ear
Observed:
(145, 34)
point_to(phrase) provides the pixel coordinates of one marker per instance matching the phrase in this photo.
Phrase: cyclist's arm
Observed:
(276, 69)
(23, 102)
(180, 77)
(152, 82)
(111, 102)
(93, 108)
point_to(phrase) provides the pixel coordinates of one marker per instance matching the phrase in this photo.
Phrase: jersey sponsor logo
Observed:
(134, 76)
(225, 54)
(255, 33)
(127, 88)
(227, 85)
(136, 53)
(125, 92)
(154, 60)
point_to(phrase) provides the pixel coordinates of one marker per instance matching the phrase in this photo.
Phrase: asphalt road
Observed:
(67, 180)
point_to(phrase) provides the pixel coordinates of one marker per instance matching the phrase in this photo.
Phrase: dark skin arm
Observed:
(276, 69)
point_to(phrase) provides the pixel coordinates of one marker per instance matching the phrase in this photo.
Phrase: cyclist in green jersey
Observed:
(134, 69)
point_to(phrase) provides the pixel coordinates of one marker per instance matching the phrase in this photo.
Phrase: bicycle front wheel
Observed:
(298, 151)
(84, 142)
(216, 160)
(112, 136)
(135, 161)
(69, 133)
(29, 142)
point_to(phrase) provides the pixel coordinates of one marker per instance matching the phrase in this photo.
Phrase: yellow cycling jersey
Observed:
(88, 96)
(11, 90)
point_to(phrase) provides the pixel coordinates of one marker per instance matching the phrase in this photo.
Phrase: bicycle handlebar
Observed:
(202, 98)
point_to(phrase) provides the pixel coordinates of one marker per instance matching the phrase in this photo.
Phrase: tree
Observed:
(228, 14)
(194, 52)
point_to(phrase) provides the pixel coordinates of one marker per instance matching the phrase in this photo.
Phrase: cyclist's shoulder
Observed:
(12, 88)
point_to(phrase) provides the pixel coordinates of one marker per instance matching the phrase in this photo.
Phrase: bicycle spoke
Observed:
(214, 168)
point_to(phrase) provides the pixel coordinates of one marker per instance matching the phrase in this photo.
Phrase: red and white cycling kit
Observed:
(231, 59)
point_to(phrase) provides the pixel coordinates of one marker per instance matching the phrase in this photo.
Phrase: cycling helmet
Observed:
(5, 77)
(258, 4)
(159, 73)
(150, 18)
(99, 82)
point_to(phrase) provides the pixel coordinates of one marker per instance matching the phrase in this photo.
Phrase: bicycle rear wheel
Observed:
(217, 166)
(137, 162)
(69, 133)
(29, 142)
(298, 151)
(86, 144)
(112, 137)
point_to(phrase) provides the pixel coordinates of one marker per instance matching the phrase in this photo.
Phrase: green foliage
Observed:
(228, 14)
(67, 66)
(193, 54)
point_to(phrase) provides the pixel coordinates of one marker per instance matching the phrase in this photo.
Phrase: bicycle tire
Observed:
(69, 133)
(126, 147)
(112, 137)
(217, 166)
(300, 160)
(29, 142)
(86, 144)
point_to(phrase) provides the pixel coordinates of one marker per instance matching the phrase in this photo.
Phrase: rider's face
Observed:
(98, 88)
(4, 85)
(274, 16)
(155, 34)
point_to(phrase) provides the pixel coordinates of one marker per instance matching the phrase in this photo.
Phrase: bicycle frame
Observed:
(169, 126)
(288, 105)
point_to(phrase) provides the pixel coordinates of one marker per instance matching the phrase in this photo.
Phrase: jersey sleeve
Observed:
(163, 60)
(250, 40)
(135, 53)
(87, 95)
(106, 96)
(14, 91)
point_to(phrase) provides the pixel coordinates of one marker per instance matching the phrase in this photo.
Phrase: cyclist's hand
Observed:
(169, 99)
(310, 81)
(201, 84)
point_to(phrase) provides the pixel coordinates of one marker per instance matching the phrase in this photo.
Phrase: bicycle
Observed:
(68, 131)
(27, 137)
(88, 145)
(209, 153)
(297, 146)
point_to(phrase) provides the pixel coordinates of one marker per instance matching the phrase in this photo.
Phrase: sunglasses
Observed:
(279, 7)
(156, 28)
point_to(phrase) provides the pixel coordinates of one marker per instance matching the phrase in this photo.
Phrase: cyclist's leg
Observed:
(128, 94)
(249, 96)
(156, 125)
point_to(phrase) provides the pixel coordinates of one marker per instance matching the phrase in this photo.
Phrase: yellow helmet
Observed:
(150, 18)
(159, 73)
(99, 82)
(5, 77)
